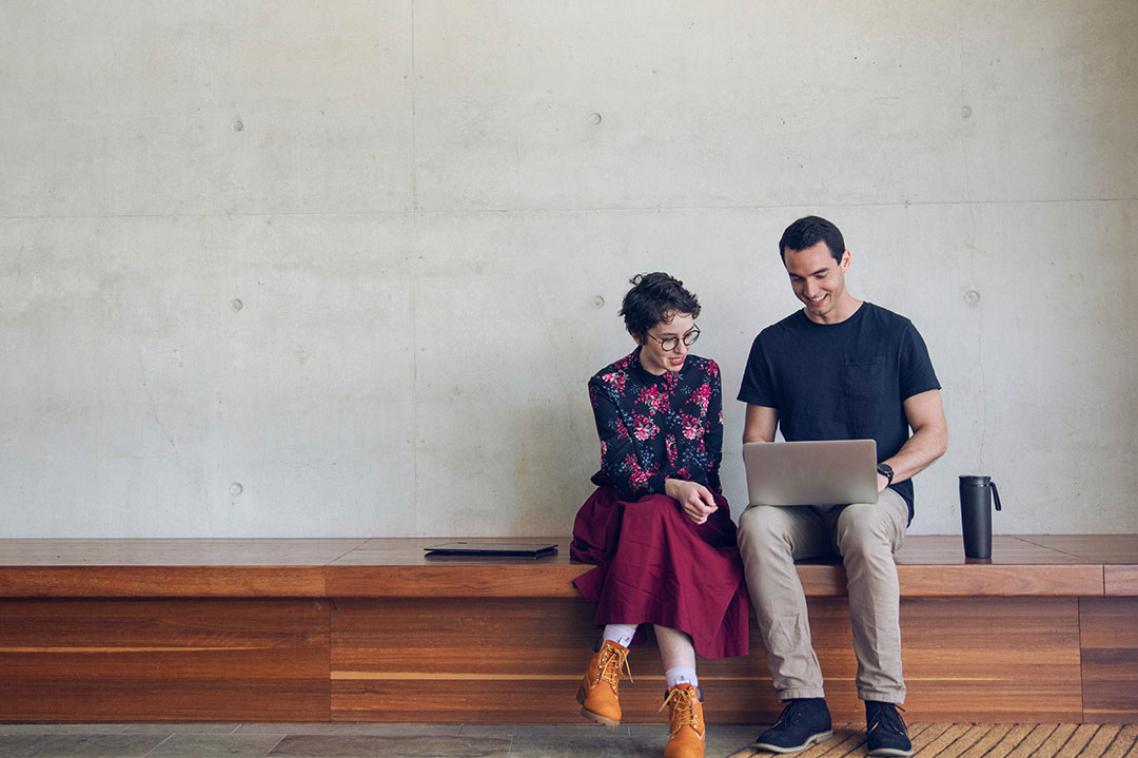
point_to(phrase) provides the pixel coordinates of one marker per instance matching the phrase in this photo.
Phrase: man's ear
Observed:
(847, 256)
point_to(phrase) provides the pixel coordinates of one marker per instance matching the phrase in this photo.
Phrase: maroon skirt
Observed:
(655, 566)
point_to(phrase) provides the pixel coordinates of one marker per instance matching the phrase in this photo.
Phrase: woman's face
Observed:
(653, 357)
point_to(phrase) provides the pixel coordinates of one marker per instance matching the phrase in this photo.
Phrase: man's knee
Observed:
(863, 529)
(763, 530)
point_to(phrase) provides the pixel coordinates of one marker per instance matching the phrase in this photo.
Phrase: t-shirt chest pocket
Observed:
(864, 380)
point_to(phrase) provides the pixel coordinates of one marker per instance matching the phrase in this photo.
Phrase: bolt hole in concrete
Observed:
(966, 112)
(236, 305)
(595, 118)
(972, 297)
(599, 301)
(238, 125)
(236, 489)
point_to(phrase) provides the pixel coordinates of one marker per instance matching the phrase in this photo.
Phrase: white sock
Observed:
(621, 634)
(681, 675)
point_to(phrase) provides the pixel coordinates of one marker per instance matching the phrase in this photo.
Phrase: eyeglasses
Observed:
(671, 343)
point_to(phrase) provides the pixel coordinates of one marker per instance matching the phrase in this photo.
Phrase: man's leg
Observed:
(867, 536)
(770, 540)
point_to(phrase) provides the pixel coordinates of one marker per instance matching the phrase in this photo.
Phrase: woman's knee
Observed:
(651, 509)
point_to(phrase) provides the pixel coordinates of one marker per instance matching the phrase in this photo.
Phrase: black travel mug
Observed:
(976, 494)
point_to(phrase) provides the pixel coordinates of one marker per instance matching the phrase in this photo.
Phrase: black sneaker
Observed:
(885, 730)
(802, 722)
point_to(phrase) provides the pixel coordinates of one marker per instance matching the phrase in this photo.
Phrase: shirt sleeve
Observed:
(917, 374)
(758, 384)
(620, 465)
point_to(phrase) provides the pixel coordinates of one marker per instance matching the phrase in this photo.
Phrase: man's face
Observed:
(817, 279)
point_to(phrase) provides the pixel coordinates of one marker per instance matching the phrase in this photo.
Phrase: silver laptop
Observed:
(811, 473)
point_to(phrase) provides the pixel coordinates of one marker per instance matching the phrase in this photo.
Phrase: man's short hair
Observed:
(808, 231)
(655, 298)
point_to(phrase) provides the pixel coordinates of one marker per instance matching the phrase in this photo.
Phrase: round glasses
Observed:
(671, 343)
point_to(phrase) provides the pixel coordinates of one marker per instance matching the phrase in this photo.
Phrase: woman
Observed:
(657, 526)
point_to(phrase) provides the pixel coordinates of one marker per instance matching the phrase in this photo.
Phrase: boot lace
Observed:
(611, 663)
(889, 721)
(682, 700)
(793, 713)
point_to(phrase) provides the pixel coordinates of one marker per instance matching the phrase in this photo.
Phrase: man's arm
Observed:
(760, 424)
(925, 415)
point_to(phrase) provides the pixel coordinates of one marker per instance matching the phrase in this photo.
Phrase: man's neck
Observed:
(843, 310)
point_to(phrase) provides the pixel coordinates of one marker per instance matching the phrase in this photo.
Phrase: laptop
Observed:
(516, 549)
(831, 472)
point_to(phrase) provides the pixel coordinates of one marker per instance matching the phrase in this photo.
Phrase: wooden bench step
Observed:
(928, 566)
(330, 630)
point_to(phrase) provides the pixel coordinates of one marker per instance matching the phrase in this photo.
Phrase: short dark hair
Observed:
(655, 298)
(808, 231)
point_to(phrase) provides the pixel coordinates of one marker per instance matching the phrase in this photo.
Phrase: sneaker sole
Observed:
(595, 717)
(891, 751)
(819, 737)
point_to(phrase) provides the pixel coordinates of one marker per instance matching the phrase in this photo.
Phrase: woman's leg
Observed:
(678, 655)
(687, 730)
(621, 634)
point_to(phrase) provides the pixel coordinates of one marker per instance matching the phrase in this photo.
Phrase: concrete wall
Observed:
(343, 268)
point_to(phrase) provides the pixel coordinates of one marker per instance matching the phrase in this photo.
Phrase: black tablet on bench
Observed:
(515, 549)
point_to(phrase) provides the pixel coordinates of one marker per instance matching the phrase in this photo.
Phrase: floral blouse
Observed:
(654, 428)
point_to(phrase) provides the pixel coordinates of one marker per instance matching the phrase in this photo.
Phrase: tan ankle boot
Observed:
(599, 693)
(688, 730)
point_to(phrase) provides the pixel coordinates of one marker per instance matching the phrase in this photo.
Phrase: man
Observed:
(839, 368)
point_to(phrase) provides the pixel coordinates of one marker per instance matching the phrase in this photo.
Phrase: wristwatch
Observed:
(886, 471)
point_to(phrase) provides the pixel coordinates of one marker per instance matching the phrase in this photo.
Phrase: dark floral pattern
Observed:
(654, 428)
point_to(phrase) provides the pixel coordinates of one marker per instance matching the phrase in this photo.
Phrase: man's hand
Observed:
(882, 483)
(695, 500)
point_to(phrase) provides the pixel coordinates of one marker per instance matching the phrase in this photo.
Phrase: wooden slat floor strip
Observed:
(984, 746)
(1013, 737)
(1125, 744)
(944, 740)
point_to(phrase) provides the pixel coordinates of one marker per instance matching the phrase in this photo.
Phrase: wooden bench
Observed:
(369, 629)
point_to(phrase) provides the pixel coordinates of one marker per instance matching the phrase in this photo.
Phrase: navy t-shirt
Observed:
(841, 381)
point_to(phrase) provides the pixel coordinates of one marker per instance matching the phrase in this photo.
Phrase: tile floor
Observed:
(362, 740)
(348, 740)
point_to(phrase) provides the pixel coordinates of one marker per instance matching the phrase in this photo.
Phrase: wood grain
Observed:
(521, 660)
(1012, 735)
(992, 659)
(175, 552)
(373, 630)
(1120, 581)
(928, 566)
(527, 657)
(1124, 744)
(991, 580)
(1109, 631)
(489, 580)
(134, 660)
(1091, 548)
(161, 581)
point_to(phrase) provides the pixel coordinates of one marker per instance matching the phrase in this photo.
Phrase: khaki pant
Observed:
(866, 536)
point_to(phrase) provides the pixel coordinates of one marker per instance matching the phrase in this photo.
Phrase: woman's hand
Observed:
(696, 501)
